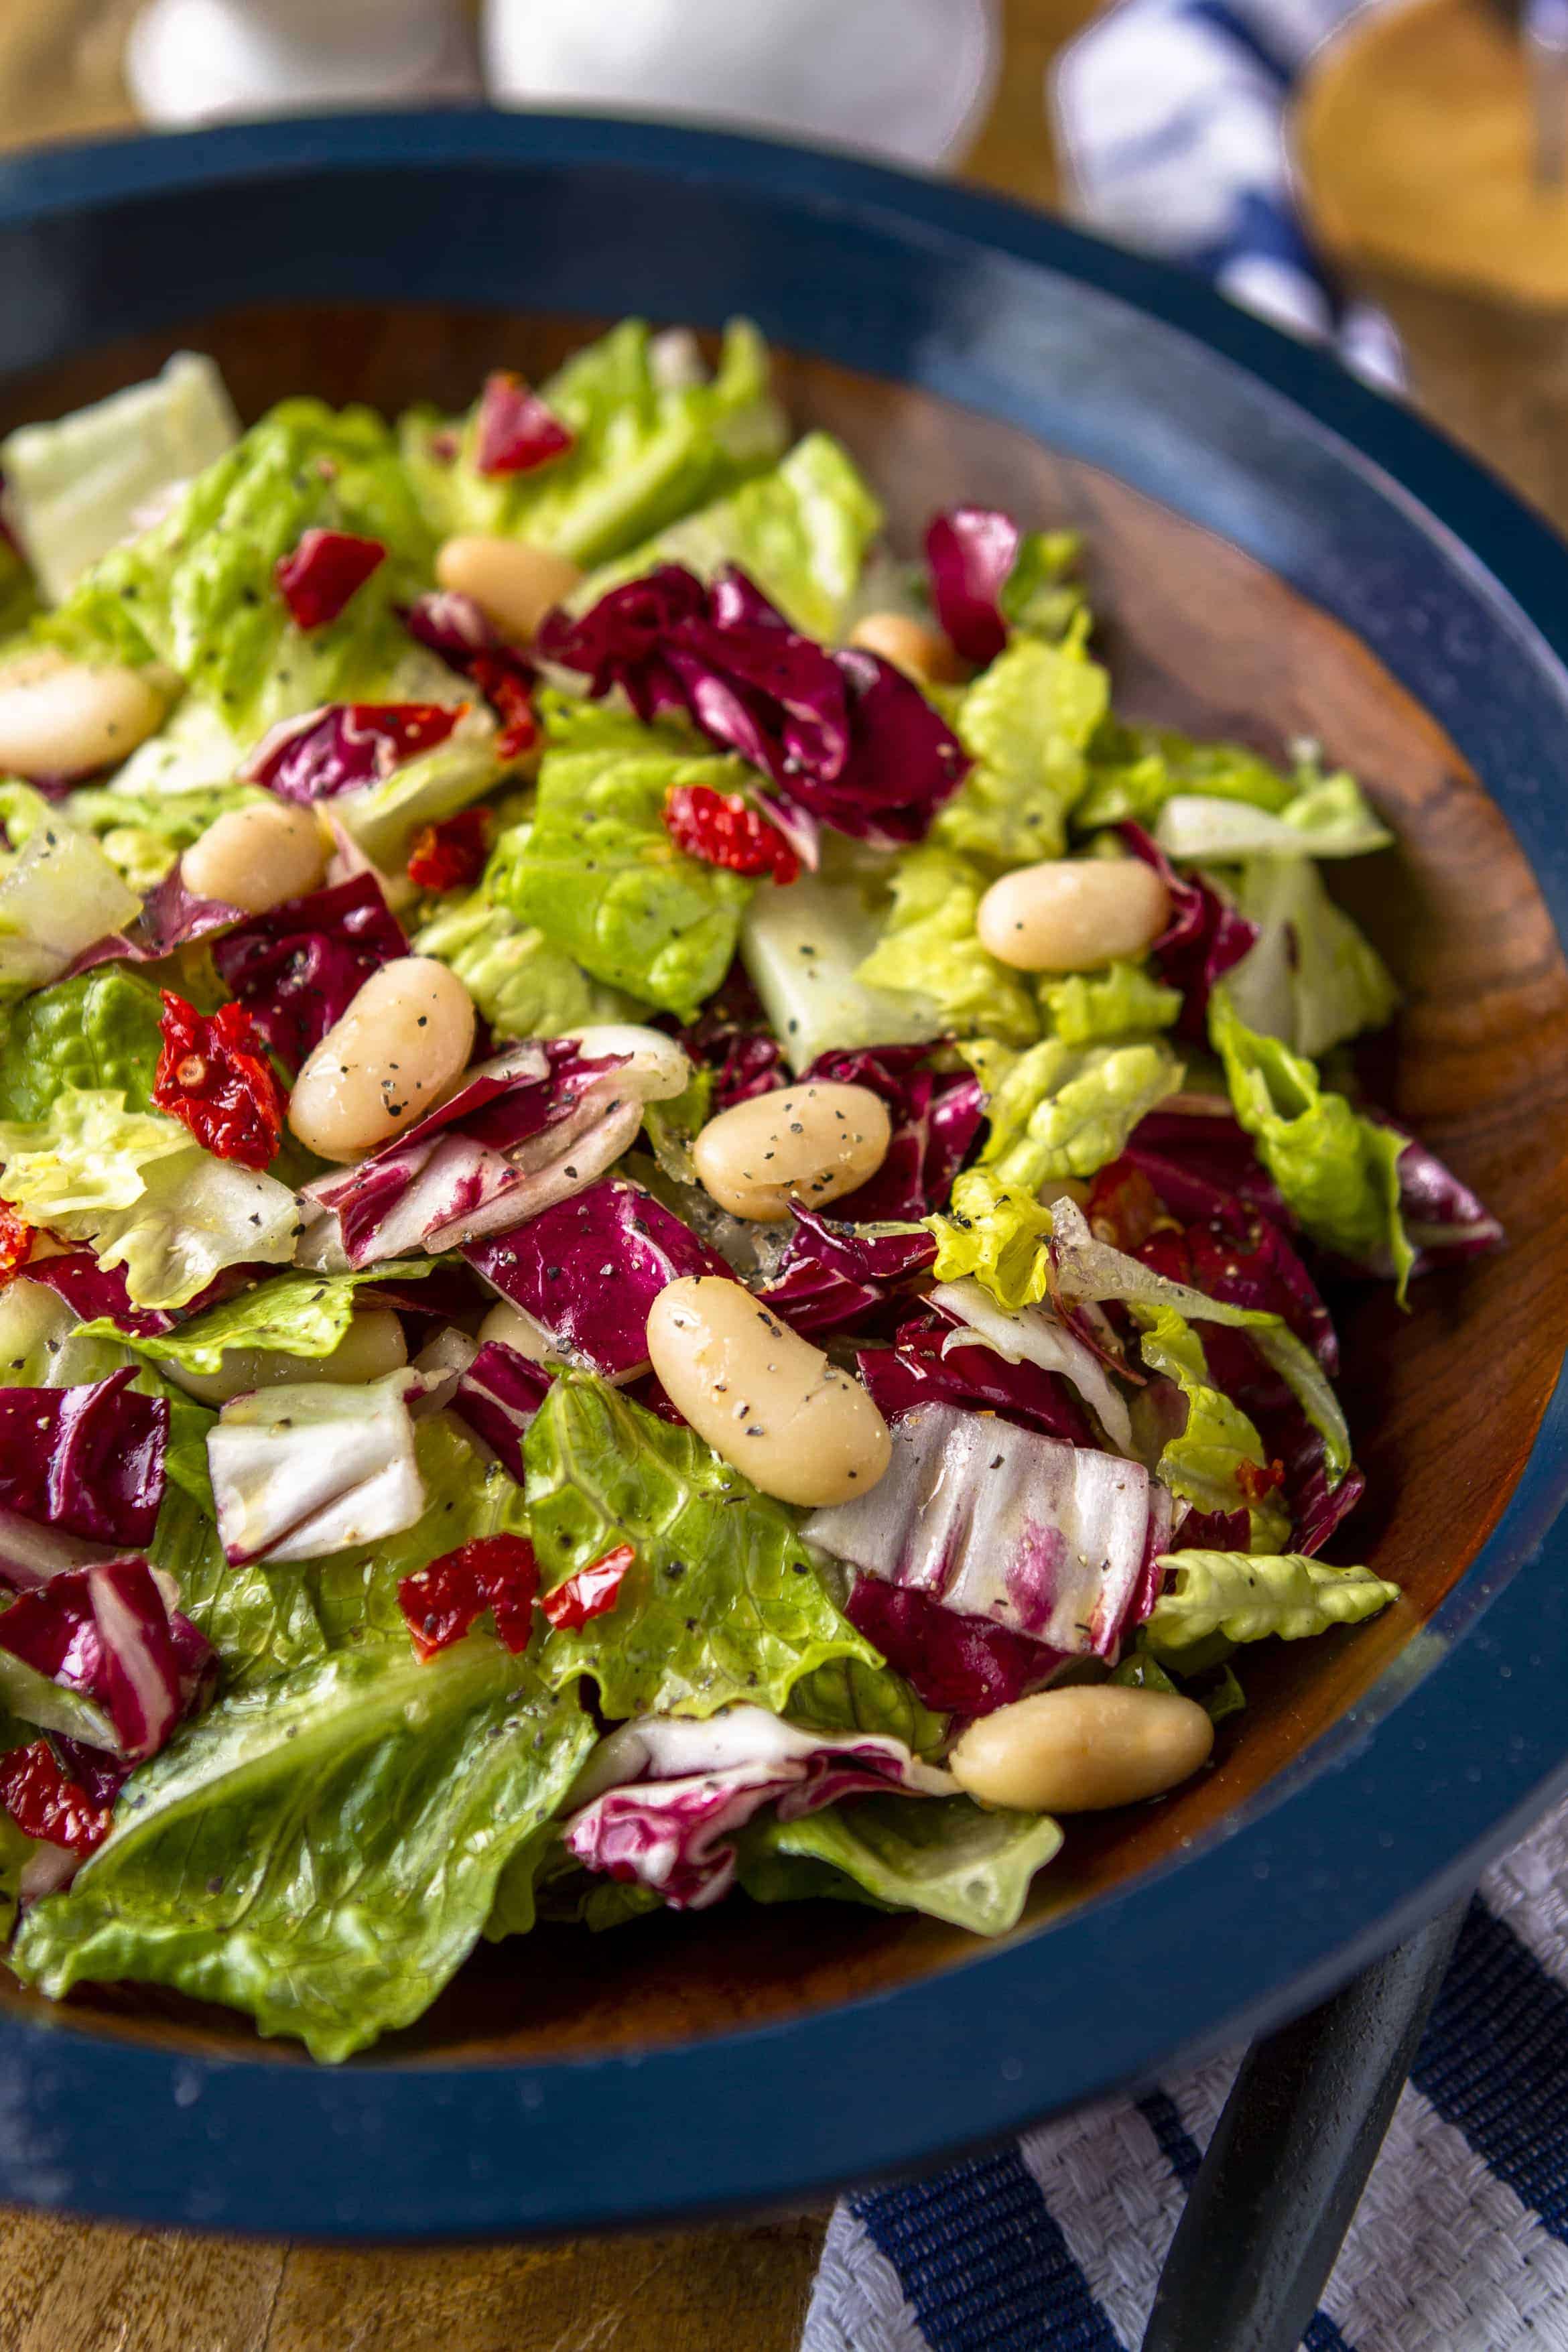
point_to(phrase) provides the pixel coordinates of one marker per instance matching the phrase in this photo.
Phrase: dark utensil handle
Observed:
(1290, 2158)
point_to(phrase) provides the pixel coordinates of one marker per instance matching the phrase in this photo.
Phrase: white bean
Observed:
(809, 1143)
(394, 1056)
(1073, 913)
(513, 583)
(372, 1344)
(61, 718)
(921, 652)
(256, 857)
(1082, 1749)
(514, 1329)
(764, 1398)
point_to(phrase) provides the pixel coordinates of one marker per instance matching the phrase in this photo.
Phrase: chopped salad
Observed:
(662, 1194)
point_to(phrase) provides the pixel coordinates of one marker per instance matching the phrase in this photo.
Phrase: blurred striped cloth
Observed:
(1170, 117)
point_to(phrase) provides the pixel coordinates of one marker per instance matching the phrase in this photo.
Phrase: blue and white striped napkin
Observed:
(1170, 117)
(1460, 2244)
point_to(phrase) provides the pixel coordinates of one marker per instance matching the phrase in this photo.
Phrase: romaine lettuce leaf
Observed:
(1085, 1007)
(646, 450)
(197, 590)
(1134, 771)
(144, 1193)
(1025, 723)
(847, 1695)
(97, 1032)
(942, 1855)
(803, 947)
(599, 874)
(61, 896)
(1066, 1110)
(1247, 1596)
(1203, 1464)
(38, 1346)
(929, 950)
(1338, 1172)
(723, 1601)
(1312, 978)
(522, 983)
(288, 1313)
(1329, 818)
(800, 532)
(995, 1234)
(321, 1852)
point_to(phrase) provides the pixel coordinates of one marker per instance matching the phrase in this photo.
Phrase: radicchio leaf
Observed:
(961, 1665)
(1315, 1506)
(589, 1268)
(969, 555)
(109, 1631)
(1444, 1220)
(514, 430)
(936, 1118)
(343, 746)
(1203, 938)
(833, 1274)
(498, 1396)
(87, 1461)
(317, 577)
(1202, 1164)
(297, 968)
(453, 626)
(841, 735)
(666, 1797)
(1046, 1539)
(310, 1468)
(171, 917)
(924, 1367)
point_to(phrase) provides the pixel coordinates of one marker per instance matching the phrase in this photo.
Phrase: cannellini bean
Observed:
(513, 1329)
(394, 1056)
(256, 857)
(808, 1143)
(372, 1344)
(921, 652)
(1073, 913)
(1083, 1749)
(766, 1400)
(61, 718)
(513, 583)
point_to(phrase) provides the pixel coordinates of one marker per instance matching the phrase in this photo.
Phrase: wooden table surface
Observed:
(1498, 381)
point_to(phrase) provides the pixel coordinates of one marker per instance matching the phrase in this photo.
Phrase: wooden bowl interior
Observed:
(1444, 1404)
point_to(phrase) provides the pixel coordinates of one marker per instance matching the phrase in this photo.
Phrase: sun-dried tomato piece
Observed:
(215, 1077)
(504, 681)
(722, 829)
(441, 1603)
(590, 1592)
(16, 1239)
(1257, 1480)
(1124, 1208)
(44, 1802)
(515, 430)
(318, 577)
(450, 856)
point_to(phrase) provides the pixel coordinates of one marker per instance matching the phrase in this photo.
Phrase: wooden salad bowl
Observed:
(1445, 1403)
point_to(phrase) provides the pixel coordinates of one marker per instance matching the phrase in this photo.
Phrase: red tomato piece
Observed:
(321, 573)
(515, 429)
(450, 856)
(1124, 1208)
(441, 1603)
(1255, 1482)
(722, 829)
(44, 1804)
(505, 688)
(590, 1592)
(15, 1242)
(215, 1077)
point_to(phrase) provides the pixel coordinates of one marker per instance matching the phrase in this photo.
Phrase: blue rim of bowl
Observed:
(1392, 1813)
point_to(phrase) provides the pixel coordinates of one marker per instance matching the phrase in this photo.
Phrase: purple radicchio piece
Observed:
(841, 736)
(112, 1632)
(171, 917)
(589, 1268)
(935, 1117)
(661, 1800)
(1048, 1540)
(533, 1126)
(923, 1367)
(1203, 938)
(1316, 1501)
(1443, 1220)
(961, 1666)
(86, 1461)
(344, 746)
(833, 1274)
(297, 968)
(1204, 1165)
(970, 553)
(498, 1396)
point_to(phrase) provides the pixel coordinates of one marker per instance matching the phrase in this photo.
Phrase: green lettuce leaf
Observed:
(1337, 1170)
(45, 1706)
(997, 1235)
(522, 983)
(800, 531)
(1312, 978)
(197, 591)
(723, 1601)
(142, 832)
(1203, 1465)
(323, 1851)
(1247, 1596)
(1134, 771)
(144, 1193)
(62, 893)
(1329, 818)
(38, 1349)
(1039, 594)
(928, 949)
(1026, 722)
(1066, 1110)
(96, 1033)
(803, 947)
(847, 1695)
(599, 874)
(289, 1314)
(941, 1855)
(1085, 1007)
(17, 1849)
(646, 450)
